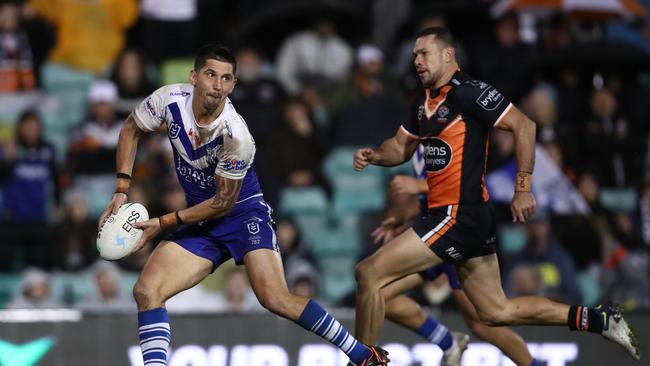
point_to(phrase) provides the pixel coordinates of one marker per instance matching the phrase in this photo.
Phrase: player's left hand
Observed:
(151, 228)
(523, 206)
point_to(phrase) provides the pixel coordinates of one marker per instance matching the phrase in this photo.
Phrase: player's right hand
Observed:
(362, 158)
(387, 230)
(116, 202)
(403, 184)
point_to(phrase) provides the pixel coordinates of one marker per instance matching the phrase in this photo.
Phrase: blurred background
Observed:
(316, 80)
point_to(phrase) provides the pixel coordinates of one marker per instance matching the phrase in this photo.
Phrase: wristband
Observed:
(523, 181)
(178, 218)
(123, 176)
(168, 221)
(122, 185)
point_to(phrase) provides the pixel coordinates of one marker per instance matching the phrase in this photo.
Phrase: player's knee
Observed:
(146, 296)
(365, 272)
(273, 301)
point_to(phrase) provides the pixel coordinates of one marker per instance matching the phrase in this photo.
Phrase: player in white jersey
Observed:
(226, 217)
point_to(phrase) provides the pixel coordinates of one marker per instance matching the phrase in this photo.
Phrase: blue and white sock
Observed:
(436, 333)
(153, 327)
(315, 319)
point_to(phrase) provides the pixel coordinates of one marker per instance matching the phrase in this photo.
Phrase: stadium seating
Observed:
(176, 71)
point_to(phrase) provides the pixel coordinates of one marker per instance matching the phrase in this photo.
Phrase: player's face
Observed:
(428, 60)
(213, 83)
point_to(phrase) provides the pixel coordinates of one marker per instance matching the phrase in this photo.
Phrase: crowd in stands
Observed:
(311, 91)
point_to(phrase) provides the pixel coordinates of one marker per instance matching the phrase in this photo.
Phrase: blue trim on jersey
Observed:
(193, 154)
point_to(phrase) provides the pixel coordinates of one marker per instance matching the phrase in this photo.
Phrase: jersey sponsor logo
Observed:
(150, 108)
(420, 112)
(202, 178)
(179, 94)
(174, 130)
(233, 164)
(437, 154)
(490, 99)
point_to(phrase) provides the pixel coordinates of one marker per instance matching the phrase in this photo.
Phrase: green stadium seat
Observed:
(175, 71)
(335, 241)
(9, 285)
(303, 201)
(338, 276)
(512, 239)
(619, 199)
(589, 288)
(354, 192)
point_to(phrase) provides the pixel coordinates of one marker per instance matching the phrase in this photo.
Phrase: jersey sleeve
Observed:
(235, 157)
(482, 101)
(150, 113)
(412, 124)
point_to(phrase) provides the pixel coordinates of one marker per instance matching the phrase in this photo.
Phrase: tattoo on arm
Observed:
(226, 194)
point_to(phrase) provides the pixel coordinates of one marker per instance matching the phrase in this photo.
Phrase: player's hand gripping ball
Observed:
(117, 237)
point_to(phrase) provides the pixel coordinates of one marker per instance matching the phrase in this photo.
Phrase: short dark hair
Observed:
(216, 52)
(442, 35)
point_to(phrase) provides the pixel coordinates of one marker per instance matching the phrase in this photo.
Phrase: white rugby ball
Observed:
(117, 237)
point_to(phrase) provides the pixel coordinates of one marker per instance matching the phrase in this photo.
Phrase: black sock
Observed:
(583, 319)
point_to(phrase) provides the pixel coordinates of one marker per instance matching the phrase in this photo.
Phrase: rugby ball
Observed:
(117, 237)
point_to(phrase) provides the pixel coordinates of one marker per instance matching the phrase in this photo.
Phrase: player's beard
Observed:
(211, 103)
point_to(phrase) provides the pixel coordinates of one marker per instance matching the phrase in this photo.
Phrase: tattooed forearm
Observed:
(226, 193)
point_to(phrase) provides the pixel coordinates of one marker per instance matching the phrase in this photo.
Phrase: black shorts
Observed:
(458, 232)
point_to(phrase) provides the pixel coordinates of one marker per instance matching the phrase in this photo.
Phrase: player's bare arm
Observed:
(127, 146)
(393, 151)
(523, 129)
(227, 192)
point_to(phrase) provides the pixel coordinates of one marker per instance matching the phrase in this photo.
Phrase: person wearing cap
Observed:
(35, 291)
(108, 297)
(94, 143)
(369, 103)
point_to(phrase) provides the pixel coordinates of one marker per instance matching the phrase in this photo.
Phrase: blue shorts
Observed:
(439, 269)
(247, 227)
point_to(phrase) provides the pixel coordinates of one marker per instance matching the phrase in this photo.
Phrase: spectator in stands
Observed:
(237, 296)
(317, 53)
(168, 28)
(16, 63)
(93, 146)
(524, 280)
(296, 150)
(35, 291)
(29, 181)
(606, 144)
(77, 234)
(257, 95)
(369, 103)
(299, 267)
(108, 296)
(90, 34)
(506, 63)
(547, 254)
(131, 80)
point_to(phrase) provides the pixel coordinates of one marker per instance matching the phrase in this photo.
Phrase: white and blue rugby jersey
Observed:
(225, 147)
